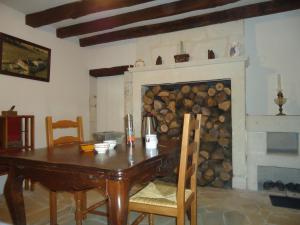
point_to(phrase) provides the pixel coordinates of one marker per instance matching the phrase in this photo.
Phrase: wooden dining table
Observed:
(67, 168)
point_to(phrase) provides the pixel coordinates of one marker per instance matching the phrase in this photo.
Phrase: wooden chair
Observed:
(79, 196)
(168, 199)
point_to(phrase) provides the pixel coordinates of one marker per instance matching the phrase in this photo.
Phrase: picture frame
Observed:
(24, 59)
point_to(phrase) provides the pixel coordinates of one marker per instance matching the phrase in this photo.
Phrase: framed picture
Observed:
(24, 59)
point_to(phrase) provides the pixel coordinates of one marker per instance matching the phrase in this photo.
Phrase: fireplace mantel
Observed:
(188, 64)
(232, 69)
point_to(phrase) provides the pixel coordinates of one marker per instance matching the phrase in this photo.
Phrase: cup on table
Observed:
(151, 141)
(101, 147)
(112, 144)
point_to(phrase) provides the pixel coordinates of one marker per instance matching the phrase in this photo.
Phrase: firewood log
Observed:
(211, 102)
(225, 176)
(208, 174)
(227, 166)
(202, 94)
(224, 132)
(172, 106)
(201, 160)
(147, 108)
(163, 128)
(174, 132)
(219, 86)
(205, 111)
(163, 93)
(179, 96)
(158, 105)
(196, 108)
(227, 91)
(211, 91)
(174, 124)
(195, 89)
(188, 103)
(217, 183)
(164, 111)
(217, 155)
(185, 89)
(169, 117)
(156, 89)
(202, 87)
(160, 117)
(147, 100)
(224, 142)
(149, 93)
(221, 97)
(204, 154)
(225, 106)
(198, 100)
(173, 95)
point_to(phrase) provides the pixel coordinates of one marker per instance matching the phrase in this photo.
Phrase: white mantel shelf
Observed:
(188, 64)
(272, 123)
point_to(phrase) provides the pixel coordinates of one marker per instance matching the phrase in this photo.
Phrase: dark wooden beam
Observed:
(259, 9)
(159, 11)
(105, 72)
(75, 10)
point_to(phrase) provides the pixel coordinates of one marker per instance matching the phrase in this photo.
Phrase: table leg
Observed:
(117, 192)
(13, 192)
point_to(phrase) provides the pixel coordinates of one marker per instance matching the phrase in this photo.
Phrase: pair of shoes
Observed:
(291, 187)
(279, 185)
(268, 185)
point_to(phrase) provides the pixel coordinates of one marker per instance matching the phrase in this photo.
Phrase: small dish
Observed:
(101, 147)
(112, 144)
(87, 147)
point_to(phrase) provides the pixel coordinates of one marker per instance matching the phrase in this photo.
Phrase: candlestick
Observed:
(279, 83)
(280, 101)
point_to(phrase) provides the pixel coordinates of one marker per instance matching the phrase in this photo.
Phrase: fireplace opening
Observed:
(168, 103)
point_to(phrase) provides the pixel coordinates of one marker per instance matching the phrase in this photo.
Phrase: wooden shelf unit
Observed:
(17, 132)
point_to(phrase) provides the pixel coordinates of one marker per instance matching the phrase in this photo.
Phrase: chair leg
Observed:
(78, 207)
(83, 204)
(53, 208)
(151, 219)
(181, 218)
(193, 213)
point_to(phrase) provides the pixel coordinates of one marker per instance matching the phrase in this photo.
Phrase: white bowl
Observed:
(101, 147)
(112, 144)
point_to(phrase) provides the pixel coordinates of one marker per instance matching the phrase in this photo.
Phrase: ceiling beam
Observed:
(112, 71)
(155, 12)
(76, 9)
(238, 13)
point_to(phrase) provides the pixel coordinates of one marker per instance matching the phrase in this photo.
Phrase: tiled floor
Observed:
(228, 207)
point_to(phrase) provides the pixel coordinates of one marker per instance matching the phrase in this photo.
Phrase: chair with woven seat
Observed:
(167, 199)
(79, 196)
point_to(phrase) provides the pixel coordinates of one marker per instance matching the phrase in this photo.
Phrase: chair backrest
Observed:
(63, 124)
(187, 178)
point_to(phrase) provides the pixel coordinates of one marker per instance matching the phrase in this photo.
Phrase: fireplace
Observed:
(167, 103)
(209, 71)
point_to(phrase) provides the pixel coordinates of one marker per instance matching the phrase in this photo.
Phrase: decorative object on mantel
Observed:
(182, 57)
(234, 49)
(280, 100)
(10, 112)
(158, 60)
(211, 54)
(139, 63)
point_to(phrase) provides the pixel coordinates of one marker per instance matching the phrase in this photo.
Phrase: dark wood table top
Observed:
(122, 158)
(67, 168)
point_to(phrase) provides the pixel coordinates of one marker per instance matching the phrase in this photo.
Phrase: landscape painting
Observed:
(24, 59)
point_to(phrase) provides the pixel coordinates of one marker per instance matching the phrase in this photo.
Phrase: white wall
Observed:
(272, 44)
(67, 93)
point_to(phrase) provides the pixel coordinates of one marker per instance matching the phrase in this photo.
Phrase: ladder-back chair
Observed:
(168, 199)
(79, 196)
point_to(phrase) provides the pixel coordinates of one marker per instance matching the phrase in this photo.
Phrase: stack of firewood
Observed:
(168, 103)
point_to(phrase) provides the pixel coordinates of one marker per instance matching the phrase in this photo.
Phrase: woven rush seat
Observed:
(159, 193)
